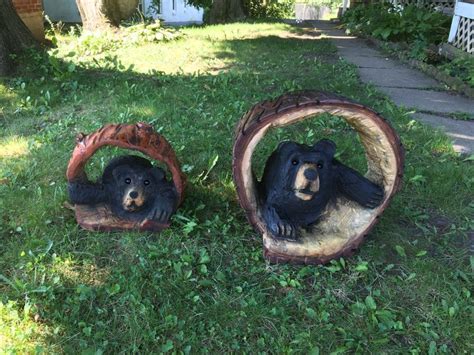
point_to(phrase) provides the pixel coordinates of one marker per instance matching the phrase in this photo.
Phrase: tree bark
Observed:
(103, 14)
(226, 11)
(14, 35)
(5, 62)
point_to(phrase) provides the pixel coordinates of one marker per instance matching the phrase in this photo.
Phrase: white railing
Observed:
(461, 34)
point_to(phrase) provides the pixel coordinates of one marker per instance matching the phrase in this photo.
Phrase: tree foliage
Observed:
(399, 23)
(251, 8)
(270, 8)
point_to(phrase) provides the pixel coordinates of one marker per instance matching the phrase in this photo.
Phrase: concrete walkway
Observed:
(406, 87)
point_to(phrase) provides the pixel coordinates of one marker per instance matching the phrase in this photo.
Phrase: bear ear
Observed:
(158, 174)
(286, 145)
(326, 146)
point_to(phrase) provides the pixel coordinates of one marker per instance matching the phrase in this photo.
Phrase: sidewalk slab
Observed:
(428, 100)
(349, 49)
(363, 61)
(462, 132)
(400, 77)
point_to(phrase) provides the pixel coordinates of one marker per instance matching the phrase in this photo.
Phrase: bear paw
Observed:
(160, 215)
(279, 228)
(372, 196)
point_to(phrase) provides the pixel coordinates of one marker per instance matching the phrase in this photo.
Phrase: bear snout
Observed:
(133, 199)
(306, 182)
(311, 174)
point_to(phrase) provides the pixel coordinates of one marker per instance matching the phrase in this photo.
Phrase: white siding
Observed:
(181, 13)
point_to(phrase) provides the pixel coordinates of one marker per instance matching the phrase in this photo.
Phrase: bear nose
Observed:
(310, 174)
(133, 194)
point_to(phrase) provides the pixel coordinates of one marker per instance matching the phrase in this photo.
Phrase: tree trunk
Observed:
(103, 14)
(14, 35)
(5, 62)
(226, 11)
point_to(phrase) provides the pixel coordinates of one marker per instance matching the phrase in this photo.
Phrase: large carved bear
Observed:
(300, 180)
(132, 188)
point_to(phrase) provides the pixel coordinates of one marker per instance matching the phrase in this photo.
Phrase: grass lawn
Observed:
(203, 285)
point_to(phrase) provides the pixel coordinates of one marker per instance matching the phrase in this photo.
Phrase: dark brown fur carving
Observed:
(299, 181)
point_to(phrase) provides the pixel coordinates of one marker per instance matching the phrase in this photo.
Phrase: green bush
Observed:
(332, 4)
(462, 68)
(94, 43)
(398, 23)
(270, 9)
(257, 9)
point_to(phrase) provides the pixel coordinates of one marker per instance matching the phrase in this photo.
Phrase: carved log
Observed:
(140, 137)
(346, 224)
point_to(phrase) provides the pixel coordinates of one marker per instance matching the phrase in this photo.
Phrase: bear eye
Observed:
(146, 182)
(294, 162)
(128, 181)
(320, 165)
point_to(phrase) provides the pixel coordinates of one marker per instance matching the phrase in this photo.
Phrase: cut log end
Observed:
(101, 218)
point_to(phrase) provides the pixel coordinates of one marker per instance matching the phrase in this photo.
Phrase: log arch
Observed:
(346, 224)
(140, 137)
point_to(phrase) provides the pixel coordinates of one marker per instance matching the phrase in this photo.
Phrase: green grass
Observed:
(203, 285)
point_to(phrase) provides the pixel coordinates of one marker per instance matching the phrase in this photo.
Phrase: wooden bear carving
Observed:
(132, 188)
(300, 180)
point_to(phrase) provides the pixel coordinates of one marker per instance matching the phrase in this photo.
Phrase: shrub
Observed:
(271, 9)
(94, 43)
(398, 23)
(462, 68)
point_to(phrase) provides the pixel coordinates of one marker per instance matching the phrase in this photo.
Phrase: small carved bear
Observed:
(133, 189)
(300, 180)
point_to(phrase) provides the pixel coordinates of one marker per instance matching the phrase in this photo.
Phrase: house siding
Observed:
(62, 10)
(66, 11)
(175, 11)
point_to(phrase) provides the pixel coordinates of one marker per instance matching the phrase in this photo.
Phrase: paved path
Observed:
(406, 87)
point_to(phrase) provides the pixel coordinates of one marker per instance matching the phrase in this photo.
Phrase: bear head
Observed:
(136, 186)
(300, 171)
